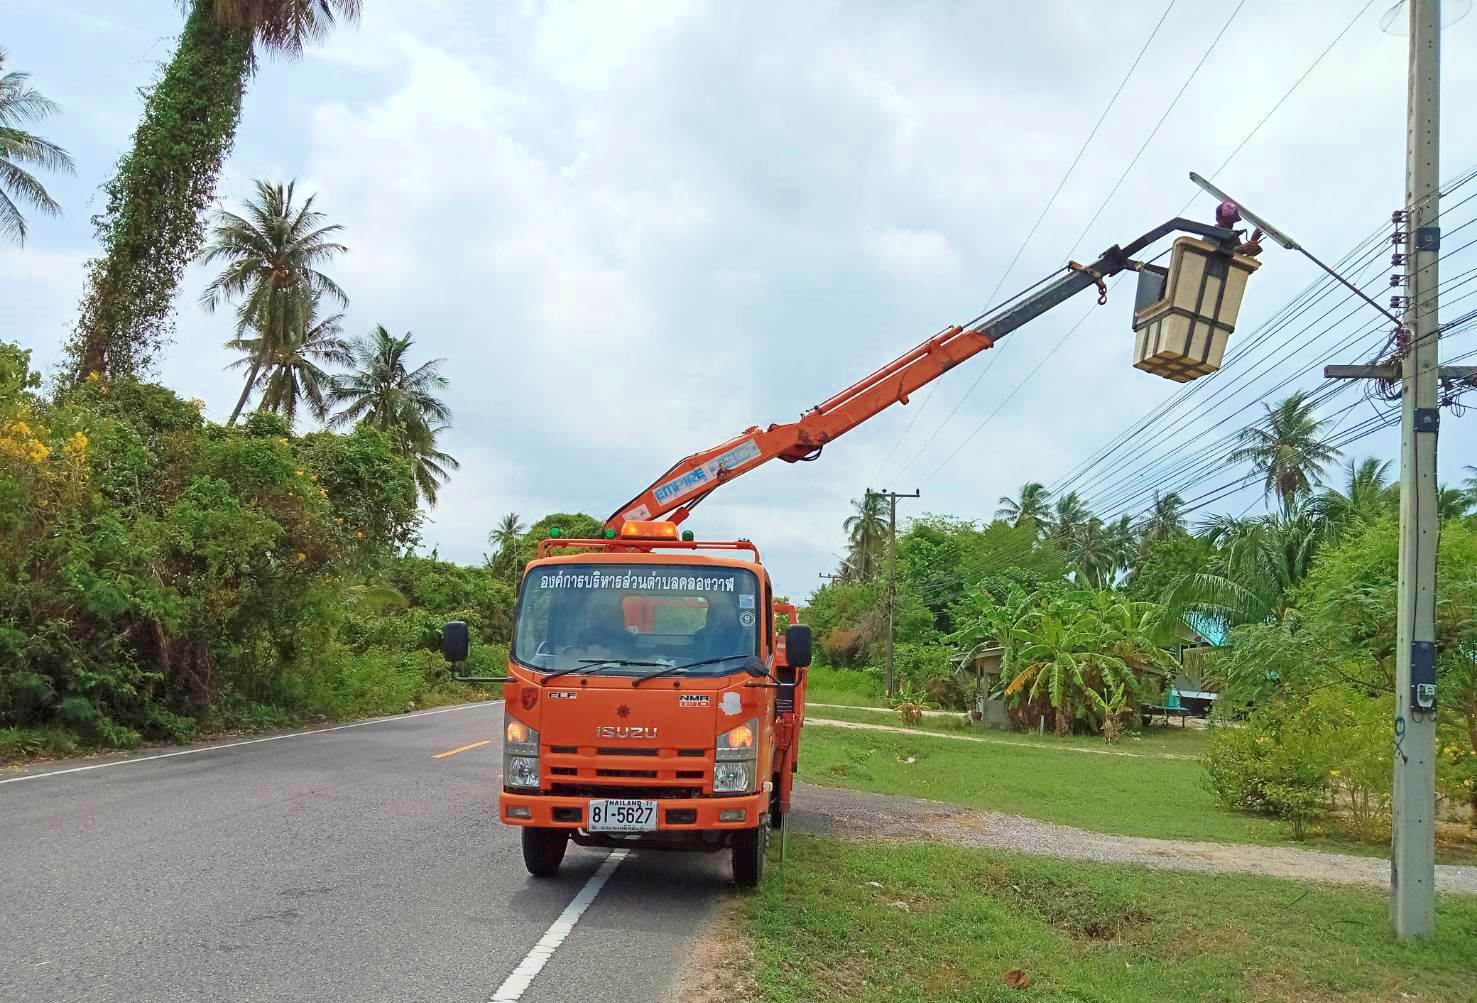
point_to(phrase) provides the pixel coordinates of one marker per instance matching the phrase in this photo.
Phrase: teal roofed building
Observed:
(1189, 688)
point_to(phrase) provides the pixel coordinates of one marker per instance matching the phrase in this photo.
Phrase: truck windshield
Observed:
(662, 615)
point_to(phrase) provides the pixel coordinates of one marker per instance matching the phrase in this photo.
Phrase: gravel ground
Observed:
(856, 814)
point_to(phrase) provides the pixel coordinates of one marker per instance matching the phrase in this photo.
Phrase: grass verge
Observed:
(1117, 794)
(1042, 778)
(858, 687)
(1156, 740)
(859, 922)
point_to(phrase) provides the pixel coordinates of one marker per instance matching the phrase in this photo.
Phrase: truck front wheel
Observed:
(748, 856)
(543, 850)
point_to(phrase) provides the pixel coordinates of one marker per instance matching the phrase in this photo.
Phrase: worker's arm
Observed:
(690, 479)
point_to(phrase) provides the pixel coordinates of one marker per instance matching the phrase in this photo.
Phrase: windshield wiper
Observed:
(688, 665)
(594, 665)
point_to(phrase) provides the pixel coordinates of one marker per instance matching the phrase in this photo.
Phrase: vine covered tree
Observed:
(152, 226)
(21, 104)
(272, 254)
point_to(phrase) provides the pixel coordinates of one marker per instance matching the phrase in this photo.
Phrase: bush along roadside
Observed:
(161, 575)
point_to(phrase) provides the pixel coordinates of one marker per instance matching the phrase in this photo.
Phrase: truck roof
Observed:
(642, 555)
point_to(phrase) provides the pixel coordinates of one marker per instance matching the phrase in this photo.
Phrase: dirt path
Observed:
(829, 811)
(981, 740)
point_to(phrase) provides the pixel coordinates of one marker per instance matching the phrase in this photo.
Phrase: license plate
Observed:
(622, 816)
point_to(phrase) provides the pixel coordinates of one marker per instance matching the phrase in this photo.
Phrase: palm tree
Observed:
(20, 104)
(381, 391)
(865, 529)
(1471, 483)
(1286, 449)
(291, 372)
(1032, 507)
(504, 540)
(152, 225)
(1124, 540)
(1367, 493)
(1257, 562)
(272, 257)
(1164, 519)
(432, 467)
(1452, 503)
(1070, 513)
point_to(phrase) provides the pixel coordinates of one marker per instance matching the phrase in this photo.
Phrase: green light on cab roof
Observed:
(687, 536)
(555, 532)
(610, 534)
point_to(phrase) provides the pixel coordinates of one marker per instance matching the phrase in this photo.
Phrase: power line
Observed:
(1081, 150)
(1152, 133)
(1155, 131)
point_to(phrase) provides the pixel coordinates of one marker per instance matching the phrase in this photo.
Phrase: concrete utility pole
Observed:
(1413, 849)
(1418, 368)
(892, 497)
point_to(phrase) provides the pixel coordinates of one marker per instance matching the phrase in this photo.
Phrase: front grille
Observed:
(690, 774)
(628, 774)
(641, 792)
(693, 753)
(628, 752)
(564, 750)
(564, 771)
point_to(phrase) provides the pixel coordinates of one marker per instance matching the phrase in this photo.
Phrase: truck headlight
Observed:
(735, 751)
(733, 778)
(520, 753)
(740, 742)
(520, 771)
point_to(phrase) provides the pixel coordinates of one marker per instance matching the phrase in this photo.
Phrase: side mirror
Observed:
(454, 641)
(797, 645)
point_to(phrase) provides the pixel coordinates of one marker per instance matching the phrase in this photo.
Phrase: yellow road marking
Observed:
(452, 752)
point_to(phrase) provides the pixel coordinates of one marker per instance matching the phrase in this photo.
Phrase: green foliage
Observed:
(1087, 657)
(1298, 759)
(151, 225)
(22, 104)
(873, 921)
(1165, 561)
(382, 392)
(157, 571)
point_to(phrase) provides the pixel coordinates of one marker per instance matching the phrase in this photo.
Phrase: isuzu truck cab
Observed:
(654, 698)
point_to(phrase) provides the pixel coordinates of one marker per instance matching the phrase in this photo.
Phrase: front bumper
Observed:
(692, 814)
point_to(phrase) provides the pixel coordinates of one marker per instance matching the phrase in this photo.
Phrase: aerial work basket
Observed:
(1184, 314)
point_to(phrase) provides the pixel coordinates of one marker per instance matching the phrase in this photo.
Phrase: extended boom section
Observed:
(691, 479)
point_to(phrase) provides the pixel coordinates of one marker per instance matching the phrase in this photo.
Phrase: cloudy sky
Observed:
(634, 230)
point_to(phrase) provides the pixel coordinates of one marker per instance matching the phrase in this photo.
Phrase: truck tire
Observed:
(543, 850)
(748, 856)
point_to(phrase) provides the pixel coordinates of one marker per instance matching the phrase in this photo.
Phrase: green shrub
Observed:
(1326, 756)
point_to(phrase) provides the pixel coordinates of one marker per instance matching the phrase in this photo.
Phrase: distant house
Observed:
(1199, 635)
(979, 671)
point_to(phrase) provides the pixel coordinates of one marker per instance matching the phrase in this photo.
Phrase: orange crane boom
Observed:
(693, 478)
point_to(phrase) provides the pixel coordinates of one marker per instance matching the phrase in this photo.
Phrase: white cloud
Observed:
(925, 257)
(633, 230)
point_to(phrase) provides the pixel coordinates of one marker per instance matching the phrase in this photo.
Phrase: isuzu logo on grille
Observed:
(624, 731)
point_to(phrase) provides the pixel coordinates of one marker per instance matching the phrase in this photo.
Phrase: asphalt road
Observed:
(351, 864)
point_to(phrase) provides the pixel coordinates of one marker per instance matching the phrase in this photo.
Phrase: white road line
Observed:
(250, 741)
(515, 985)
